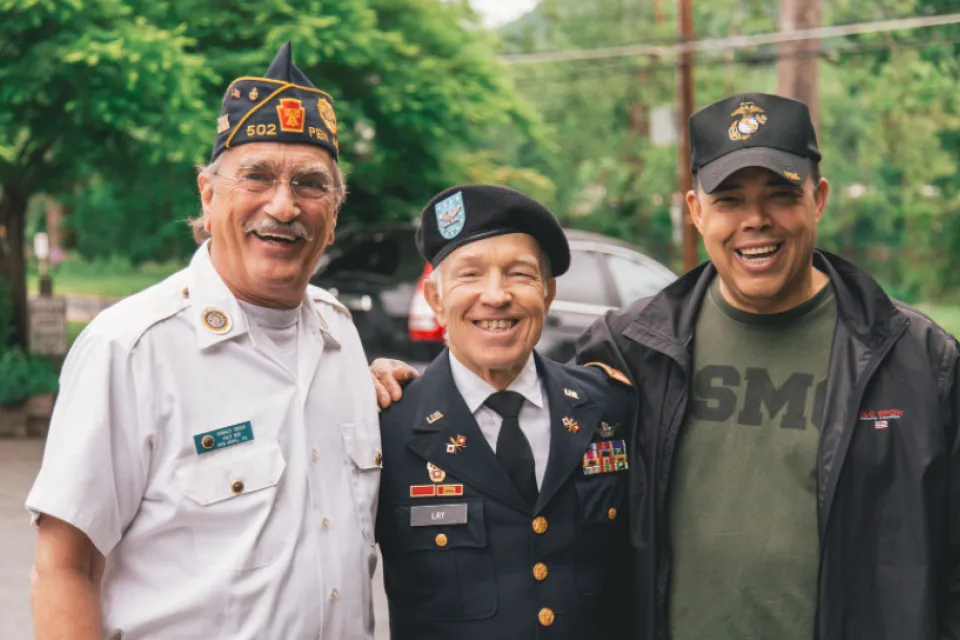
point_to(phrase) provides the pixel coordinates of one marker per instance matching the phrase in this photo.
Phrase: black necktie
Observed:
(513, 449)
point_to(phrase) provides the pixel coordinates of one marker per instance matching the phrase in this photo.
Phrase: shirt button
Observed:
(612, 514)
(377, 458)
(314, 455)
(335, 595)
(441, 540)
(326, 523)
(237, 487)
(540, 571)
(540, 524)
(546, 616)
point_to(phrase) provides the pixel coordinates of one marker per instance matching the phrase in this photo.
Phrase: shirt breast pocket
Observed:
(603, 531)
(231, 504)
(449, 569)
(362, 442)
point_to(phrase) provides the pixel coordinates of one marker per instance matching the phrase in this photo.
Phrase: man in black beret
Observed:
(800, 470)
(503, 496)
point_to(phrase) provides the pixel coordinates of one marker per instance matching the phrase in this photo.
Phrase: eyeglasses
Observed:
(307, 186)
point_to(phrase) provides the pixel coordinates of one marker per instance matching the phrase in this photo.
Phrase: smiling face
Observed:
(495, 296)
(266, 240)
(759, 231)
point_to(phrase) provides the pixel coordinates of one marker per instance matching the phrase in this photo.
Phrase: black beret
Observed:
(464, 214)
(282, 106)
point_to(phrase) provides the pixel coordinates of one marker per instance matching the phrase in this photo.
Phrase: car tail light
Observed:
(422, 324)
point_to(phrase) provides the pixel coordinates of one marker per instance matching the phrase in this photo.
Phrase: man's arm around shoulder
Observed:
(65, 583)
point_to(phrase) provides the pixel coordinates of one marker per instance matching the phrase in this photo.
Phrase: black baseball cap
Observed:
(752, 130)
(467, 213)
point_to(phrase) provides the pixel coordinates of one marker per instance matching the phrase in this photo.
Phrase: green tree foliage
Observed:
(114, 102)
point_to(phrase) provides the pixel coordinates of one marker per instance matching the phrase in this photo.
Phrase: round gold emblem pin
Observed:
(207, 442)
(327, 115)
(216, 320)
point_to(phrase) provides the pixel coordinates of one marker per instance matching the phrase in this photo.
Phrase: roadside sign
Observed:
(48, 326)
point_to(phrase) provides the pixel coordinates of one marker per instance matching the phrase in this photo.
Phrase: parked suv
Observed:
(378, 274)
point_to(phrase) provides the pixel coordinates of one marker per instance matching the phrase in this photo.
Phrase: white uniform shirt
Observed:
(270, 539)
(534, 415)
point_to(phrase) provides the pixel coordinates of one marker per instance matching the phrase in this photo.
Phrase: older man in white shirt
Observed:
(213, 461)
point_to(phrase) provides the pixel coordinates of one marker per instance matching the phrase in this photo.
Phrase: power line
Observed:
(716, 45)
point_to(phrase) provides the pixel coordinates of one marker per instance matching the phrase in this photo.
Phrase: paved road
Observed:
(19, 462)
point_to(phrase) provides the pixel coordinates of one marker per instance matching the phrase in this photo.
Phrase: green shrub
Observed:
(23, 375)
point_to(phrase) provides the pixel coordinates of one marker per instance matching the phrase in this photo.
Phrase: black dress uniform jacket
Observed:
(481, 584)
(888, 495)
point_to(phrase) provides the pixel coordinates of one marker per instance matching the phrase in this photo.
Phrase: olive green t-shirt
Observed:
(743, 498)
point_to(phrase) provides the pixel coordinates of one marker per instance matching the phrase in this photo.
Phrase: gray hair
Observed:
(196, 223)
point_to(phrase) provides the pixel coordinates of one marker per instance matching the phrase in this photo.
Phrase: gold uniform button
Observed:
(441, 540)
(377, 458)
(540, 524)
(314, 454)
(540, 571)
(237, 487)
(612, 514)
(546, 616)
(207, 442)
(185, 292)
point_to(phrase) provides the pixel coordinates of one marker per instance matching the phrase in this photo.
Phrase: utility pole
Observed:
(685, 104)
(799, 61)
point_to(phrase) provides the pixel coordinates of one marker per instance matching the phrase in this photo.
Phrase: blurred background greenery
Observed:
(110, 104)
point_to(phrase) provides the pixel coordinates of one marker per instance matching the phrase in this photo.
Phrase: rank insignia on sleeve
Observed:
(571, 425)
(606, 430)
(457, 444)
(619, 376)
(605, 457)
(436, 473)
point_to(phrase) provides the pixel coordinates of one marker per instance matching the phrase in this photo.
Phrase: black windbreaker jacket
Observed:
(888, 498)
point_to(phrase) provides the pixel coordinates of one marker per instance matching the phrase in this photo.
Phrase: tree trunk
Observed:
(13, 210)
(799, 61)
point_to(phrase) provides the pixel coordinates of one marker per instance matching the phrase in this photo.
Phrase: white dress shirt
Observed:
(272, 538)
(534, 415)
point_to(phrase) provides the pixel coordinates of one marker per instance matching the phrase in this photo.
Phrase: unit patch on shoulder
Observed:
(619, 376)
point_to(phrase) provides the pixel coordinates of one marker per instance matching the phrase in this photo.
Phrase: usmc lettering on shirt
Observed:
(720, 391)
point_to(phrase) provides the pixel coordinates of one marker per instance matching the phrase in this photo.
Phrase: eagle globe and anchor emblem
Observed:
(751, 119)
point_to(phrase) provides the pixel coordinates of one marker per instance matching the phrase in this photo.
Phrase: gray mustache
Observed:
(269, 225)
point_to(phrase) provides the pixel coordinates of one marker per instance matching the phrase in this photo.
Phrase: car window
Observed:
(634, 280)
(583, 282)
(383, 253)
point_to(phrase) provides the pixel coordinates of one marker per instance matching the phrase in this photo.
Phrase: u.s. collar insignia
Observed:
(292, 115)
(457, 444)
(325, 109)
(215, 320)
(223, 123)
(436, 473)
(235, 93)
(254, 94)
(751, 119)
(451, 216)
(571, 425)
(570, 393)
(606, 430)
(433, 417)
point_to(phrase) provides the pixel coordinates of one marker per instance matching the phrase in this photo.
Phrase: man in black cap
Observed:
(213, 462)
(503, 495)
(801, 461)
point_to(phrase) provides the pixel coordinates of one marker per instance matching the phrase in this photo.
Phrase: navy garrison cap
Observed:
(464, 214)
(752, 130)
(282, 106)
